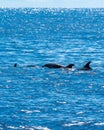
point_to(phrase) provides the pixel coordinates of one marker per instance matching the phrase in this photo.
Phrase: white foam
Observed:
(99, 124)
(41, 128)
(74, 124)
(28, 111)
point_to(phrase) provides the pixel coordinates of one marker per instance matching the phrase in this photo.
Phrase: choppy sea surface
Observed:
(36, 98)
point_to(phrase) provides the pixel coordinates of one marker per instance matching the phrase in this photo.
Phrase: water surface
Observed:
(51, 99)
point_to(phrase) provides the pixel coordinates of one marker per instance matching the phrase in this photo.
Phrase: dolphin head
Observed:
(70, 66)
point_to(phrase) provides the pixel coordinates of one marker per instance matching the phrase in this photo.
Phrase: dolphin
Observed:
(15, 65)
(56, 66)
(86, 66)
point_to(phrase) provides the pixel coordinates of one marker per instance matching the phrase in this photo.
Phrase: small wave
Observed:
(28, 128)
(32, 111)
(61, 102)
(74, 124)
(41, 128)
(12, 127)
(80, 112)
(9, 81)
(99, 124)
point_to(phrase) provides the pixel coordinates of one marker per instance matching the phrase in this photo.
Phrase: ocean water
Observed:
(36, 98)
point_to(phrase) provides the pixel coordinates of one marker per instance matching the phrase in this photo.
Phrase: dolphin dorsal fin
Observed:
(87, 65)
(15, 65)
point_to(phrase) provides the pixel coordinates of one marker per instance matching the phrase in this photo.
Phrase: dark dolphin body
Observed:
(86, 66)
(56, 66)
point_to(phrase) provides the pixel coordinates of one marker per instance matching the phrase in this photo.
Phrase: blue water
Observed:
(51, 99)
